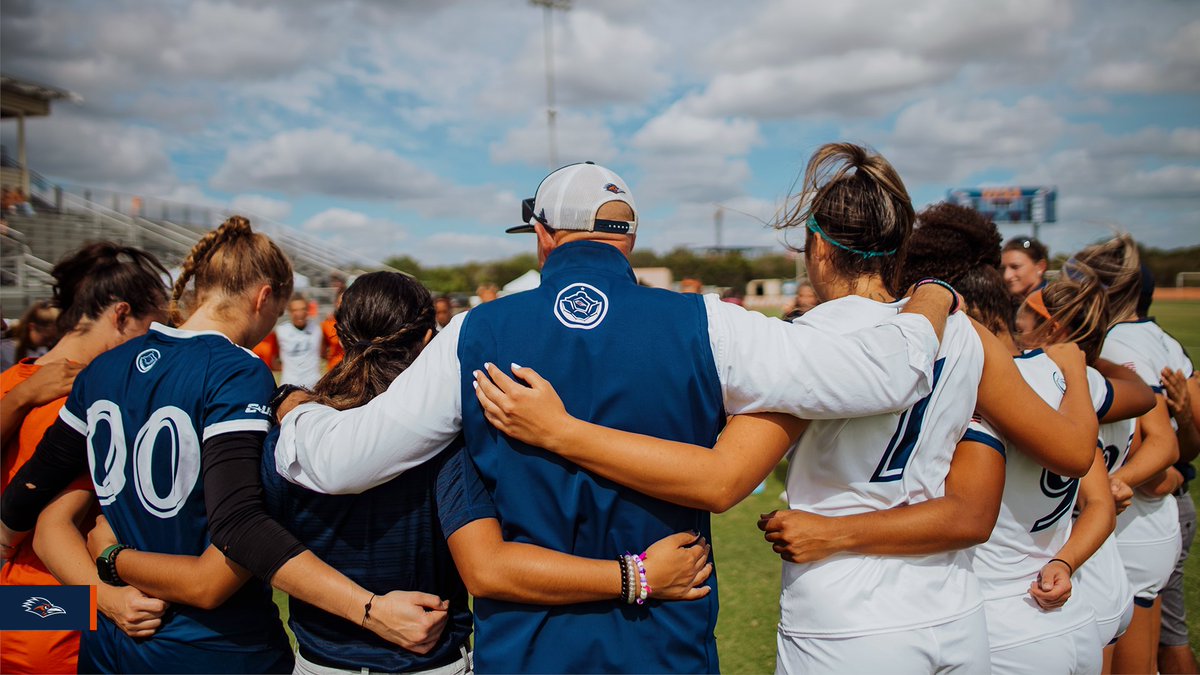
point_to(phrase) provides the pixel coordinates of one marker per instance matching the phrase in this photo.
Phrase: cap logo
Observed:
(580, 306)
(611, 187)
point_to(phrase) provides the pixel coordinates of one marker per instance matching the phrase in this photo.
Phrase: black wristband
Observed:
(1070, 570)
(943, 284)
(280, 395)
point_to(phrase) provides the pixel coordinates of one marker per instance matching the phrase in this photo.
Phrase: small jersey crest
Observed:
(612, 187)
(581, 306)
(42, 607)
(147, 359)
(1060, 382)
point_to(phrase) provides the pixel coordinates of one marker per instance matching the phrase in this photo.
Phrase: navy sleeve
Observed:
(60, 457)
(461, 496)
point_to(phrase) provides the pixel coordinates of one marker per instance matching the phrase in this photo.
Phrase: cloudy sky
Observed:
(416, 128)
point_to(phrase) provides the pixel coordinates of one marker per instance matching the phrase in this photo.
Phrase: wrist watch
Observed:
(106, 565)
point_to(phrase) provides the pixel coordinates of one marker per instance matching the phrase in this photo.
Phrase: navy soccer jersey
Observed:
(623, 356)
(391, 537)
(146, 409)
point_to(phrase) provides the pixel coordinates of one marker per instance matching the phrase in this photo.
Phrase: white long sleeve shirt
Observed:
(764, 365)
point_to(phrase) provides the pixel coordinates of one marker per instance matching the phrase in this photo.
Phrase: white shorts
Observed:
(1076, 652)
(1149, 566)
(959, 646)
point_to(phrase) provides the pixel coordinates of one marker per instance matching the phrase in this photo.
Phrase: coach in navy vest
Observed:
(629, 357)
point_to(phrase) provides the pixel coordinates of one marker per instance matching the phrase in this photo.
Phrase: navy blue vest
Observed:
(626, 357)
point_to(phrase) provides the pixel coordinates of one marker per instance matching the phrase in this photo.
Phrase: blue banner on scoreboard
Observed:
(47, 608)
(1009, 205)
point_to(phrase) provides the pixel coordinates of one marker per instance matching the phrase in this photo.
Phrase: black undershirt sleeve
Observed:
(60, 458)
(238, 522)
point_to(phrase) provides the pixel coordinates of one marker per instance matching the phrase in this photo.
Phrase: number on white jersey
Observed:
(908, 431)
(1055, 486)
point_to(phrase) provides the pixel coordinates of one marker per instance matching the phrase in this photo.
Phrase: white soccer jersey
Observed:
(845, 467)
(1143, 347)
(1033, 524)
(300, 352)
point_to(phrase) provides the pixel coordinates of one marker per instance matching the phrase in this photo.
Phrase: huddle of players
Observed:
(978, 450)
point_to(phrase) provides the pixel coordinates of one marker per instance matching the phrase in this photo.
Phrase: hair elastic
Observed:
(812, 225)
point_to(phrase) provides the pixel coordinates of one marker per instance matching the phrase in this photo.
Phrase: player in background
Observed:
(1148, 533)
(1024, 263)
(202, 395)
(1037, 546)
(1182, 390)
(394, 535)
(857, 225)
(106, 294)
(301, 343)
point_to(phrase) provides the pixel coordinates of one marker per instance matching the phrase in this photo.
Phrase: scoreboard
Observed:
(1009, 205)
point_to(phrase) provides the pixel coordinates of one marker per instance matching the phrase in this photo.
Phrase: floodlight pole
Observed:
(548, 7)
(718, 217)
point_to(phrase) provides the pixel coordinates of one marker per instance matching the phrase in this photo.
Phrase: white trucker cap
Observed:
(569, 198)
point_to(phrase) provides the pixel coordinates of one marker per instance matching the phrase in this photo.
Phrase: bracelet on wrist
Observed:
(1070, 568)
(280, 395)
(367, 611)
(938, 282)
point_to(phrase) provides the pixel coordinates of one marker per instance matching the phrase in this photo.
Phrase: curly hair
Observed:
(961, 246)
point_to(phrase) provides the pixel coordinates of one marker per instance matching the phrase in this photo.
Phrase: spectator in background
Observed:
(34, 335)
(691, 285)
(443, 311)
(300, 343)
(1023, 262)
(487, 293)
(331, 349)
(806, 298)
(268, 351)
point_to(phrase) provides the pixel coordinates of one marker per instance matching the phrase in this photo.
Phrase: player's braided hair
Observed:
(855, 200)
(961, 246)
(381, 323)
(87, 281)
(229, 260)
(1078, 308)
(1116, 264)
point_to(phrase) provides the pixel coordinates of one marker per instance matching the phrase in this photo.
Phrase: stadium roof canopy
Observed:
(22, 98)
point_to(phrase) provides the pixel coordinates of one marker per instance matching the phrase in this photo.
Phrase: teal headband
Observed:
(812, 225)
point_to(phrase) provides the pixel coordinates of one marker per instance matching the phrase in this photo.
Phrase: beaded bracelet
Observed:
(943, 284)
(643, 586)
(624, 577)
(631, 597)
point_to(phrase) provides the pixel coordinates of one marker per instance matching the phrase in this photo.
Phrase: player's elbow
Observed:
(209, 597)
(481, 580)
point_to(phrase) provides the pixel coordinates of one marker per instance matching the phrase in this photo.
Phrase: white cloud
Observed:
(259, 205)
(101, 153)
(326, 162)
(1170, 65)
(356, 231)
(948, 140)
(579, 138)
(456, 247)
(676, 132)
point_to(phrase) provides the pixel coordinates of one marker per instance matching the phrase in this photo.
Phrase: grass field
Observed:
(749, 571)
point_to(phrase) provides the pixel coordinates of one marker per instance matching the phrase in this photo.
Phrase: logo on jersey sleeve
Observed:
(42, 607)
(146, 360)
(580, 306)
(1060, 382)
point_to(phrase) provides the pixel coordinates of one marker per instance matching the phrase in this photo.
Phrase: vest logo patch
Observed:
(1060, 382)
(147, 359)
(581, 306)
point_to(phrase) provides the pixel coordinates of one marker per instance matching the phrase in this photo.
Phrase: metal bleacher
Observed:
(66, 218)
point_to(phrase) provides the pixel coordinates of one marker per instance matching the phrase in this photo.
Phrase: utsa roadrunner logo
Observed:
(147, 359)
(580, 306)
(612, 187)
(42, 607)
